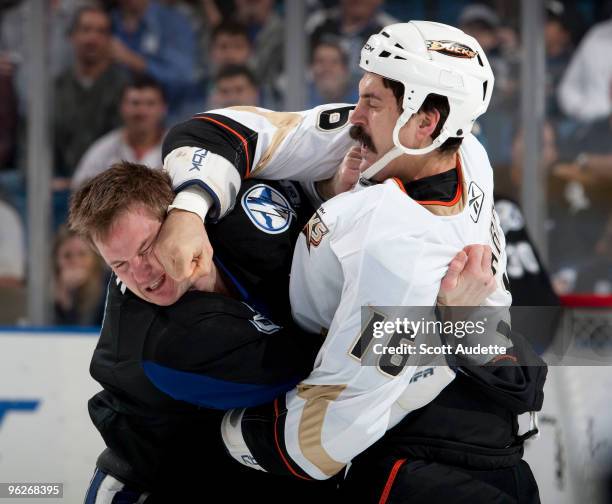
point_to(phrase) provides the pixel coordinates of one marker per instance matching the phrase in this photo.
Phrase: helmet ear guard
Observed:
(430, 58)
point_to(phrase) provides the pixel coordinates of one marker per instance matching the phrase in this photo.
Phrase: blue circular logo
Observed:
(268, 209)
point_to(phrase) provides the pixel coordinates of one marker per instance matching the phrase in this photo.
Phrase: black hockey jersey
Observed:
(167, 372)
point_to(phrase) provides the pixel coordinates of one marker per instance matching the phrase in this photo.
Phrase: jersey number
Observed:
(388, 364)
(521, 259)
(333, 119)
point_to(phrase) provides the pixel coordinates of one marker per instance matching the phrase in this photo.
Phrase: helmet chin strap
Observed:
(400, 149)
(377, 166)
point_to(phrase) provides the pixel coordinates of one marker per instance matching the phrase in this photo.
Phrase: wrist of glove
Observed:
(231, 432)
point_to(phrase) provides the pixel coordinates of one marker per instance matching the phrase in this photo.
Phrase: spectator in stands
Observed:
(14, 44)
(563, 258)
(87, 93)
(560, 32)
(529, 281)
(584, 91)
(158, 40)
(234, 85)
(12, 266)
(265, 30)
(229, 45)
(14, 55)
(139, 140)
(579, 207)
(79, 281)
(549, 155)
(586, 174)
(204, 16)
(353, 21)
(331, 77)
(483, 23)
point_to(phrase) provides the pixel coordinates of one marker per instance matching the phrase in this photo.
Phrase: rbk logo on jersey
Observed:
(315, 230)
(268, 209)
(475, 200)
(198, 159)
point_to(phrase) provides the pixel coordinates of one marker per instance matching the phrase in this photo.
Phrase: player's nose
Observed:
(141, 269)
(358, 116)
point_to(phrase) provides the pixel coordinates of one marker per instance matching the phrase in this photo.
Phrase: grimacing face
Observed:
(376, 114)
(127, 249)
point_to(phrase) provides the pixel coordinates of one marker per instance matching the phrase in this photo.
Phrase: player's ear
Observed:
(426, 125)
(428, 121)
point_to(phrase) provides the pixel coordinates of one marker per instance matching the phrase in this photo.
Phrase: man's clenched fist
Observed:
(182, 247)
(469, 279)
(345, 178)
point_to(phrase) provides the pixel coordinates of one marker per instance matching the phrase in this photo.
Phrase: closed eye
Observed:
(147, 250)
(119, 266)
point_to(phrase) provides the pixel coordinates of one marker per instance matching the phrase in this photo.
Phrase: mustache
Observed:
(358, 133)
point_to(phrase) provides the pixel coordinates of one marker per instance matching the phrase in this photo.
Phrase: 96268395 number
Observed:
(30, 490)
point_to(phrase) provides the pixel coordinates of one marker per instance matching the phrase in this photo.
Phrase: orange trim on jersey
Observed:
(390, 480)
(498, 358)
(399, 184)
(458, 194)
(276, 415)
(240, 137)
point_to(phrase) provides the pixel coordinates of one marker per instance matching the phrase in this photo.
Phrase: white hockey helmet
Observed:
(426, 58)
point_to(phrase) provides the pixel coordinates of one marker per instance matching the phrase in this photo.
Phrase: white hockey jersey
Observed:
(375, 246)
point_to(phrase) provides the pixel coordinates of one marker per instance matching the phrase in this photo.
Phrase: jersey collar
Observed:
(444, 189)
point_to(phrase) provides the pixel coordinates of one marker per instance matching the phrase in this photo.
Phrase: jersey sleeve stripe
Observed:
(310, 430)
(240, 137)
(392, 475)
(210, 392)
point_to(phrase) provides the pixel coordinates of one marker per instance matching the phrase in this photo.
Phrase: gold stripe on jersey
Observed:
(284, 123)
(318, 398)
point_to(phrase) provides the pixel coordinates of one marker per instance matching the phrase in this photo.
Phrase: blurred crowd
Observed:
(123, 71)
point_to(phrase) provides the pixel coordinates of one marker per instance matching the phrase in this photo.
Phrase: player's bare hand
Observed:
(469, 279)
(182, 247)
(345, 178)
